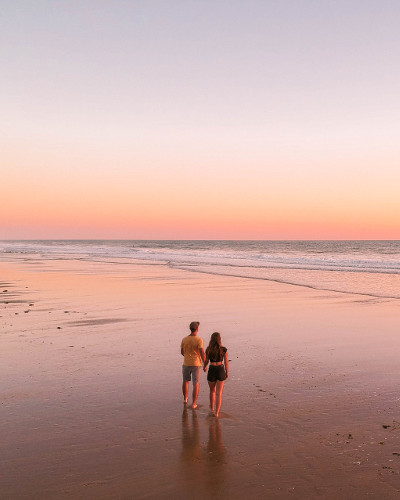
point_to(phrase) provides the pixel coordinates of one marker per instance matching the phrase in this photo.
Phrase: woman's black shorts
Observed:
(216, 373)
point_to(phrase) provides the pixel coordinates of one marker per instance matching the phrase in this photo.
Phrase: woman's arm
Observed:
(226, 364)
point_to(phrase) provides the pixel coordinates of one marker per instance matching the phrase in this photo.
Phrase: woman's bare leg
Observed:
(220, 388)
(212, 394)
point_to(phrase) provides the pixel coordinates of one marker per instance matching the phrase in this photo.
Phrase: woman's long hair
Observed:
(214, 347)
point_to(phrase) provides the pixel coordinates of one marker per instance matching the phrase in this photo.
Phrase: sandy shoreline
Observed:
(90, 387)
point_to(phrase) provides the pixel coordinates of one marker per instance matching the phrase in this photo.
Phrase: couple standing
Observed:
(194, 358)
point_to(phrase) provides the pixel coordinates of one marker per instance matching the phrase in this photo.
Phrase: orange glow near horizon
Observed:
(84, 210)
(217, 203)
(119, 219)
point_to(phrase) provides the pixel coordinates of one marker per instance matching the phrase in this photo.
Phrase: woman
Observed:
(217, 356)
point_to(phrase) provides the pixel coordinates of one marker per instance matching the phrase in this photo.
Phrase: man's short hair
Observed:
(194, 325)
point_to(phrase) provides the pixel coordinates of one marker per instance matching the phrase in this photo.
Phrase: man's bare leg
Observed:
(212, 395)
(220, 388)
(185, 390)
(195, 394)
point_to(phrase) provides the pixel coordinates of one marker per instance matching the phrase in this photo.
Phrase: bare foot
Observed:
(194, 406)
(185, 401)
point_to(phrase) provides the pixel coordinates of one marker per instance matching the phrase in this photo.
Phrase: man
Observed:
(193, 359)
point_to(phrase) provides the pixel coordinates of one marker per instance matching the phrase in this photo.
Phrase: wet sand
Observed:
(90, 387)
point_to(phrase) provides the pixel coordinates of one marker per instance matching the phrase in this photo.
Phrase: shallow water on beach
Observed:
(91, 385)
(370, 268)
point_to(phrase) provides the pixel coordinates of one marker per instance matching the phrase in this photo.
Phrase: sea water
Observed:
(370, 268)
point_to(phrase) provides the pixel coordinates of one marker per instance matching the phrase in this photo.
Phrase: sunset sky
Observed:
(213, 119)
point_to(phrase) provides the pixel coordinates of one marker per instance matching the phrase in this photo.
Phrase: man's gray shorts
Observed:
(191, 373)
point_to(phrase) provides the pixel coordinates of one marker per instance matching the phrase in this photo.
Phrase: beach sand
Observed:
(91, 403)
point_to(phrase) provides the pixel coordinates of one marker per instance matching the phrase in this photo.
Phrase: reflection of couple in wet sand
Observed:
(194, 359)
(196, 456)
(191, 445)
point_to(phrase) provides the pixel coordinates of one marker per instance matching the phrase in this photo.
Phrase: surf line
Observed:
(194, 270)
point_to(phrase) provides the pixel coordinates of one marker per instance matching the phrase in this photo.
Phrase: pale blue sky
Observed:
(278, 90)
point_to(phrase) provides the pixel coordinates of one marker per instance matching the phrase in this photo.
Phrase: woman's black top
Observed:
(219, 357)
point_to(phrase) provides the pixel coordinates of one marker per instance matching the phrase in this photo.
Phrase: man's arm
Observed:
(206, 362)
(182, 352)
(202, 355)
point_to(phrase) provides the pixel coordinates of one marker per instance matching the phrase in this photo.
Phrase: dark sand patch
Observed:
(94, 322)
(14, 301)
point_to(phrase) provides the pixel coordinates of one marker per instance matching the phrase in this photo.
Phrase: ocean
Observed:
(370, 268)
